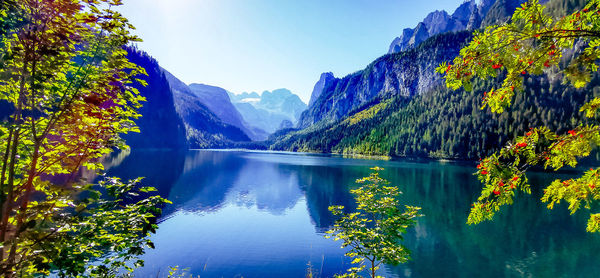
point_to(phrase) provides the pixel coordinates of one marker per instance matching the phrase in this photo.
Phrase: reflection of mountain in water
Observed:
(213, 179)
(205, 180)
(524, 240)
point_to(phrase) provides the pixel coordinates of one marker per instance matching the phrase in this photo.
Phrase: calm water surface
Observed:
(257, 214)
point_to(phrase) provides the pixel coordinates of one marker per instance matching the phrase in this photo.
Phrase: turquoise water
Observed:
(259, 214)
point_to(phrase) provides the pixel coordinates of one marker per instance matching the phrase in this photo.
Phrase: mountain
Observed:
(468, 16)
(160, 125)
(501, 11)
(318, 89)
(282, 101)
(410, 69)
(262, 118)
(397, 105)
(442, 123)
(173, 117)
(217, 101)
(407, 73)
(464, 18)
(269, 110)
(203, 128)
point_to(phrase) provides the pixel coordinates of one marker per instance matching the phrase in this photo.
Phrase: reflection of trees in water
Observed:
(326, 186)
(205, 180)
(524, 239)
(160, 168)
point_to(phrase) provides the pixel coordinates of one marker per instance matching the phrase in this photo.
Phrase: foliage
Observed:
(69, 86)
(534, 43)
(375, 230)
(108, 230)
(176, 271)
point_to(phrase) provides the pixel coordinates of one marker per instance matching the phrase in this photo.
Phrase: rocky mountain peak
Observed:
(325, 78)
(484, 6)
(401, 41)
(465, 11)
(270, 110)
(468, 16)
(421, 34)
(437, 22)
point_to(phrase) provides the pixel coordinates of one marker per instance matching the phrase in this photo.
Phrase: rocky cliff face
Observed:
(325, 78)
(399, 43)
(501, 11)
(407, 73)
(466, 17)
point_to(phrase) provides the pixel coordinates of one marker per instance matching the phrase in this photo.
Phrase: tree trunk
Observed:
(8, 204)
(373, 268)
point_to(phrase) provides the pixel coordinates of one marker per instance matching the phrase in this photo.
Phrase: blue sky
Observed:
(257, 45)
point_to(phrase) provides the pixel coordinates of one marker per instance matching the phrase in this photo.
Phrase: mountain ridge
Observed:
(269, 110)
(407, 73)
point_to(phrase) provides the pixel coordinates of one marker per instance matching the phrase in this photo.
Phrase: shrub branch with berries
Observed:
(533, 43)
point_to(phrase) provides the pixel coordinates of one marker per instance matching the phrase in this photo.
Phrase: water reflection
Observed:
(262, 214)
(159, 168)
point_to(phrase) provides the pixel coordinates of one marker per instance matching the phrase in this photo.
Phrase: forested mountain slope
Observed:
(407, 74)
(160, 125)
(443, 123)
(362, 114)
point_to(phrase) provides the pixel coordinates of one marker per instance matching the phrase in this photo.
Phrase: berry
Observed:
(547, 64)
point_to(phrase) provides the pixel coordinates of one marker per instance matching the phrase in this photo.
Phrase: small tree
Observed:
(535, 43)
(375, 230)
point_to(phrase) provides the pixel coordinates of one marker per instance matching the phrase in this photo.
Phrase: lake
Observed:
(263, 214)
